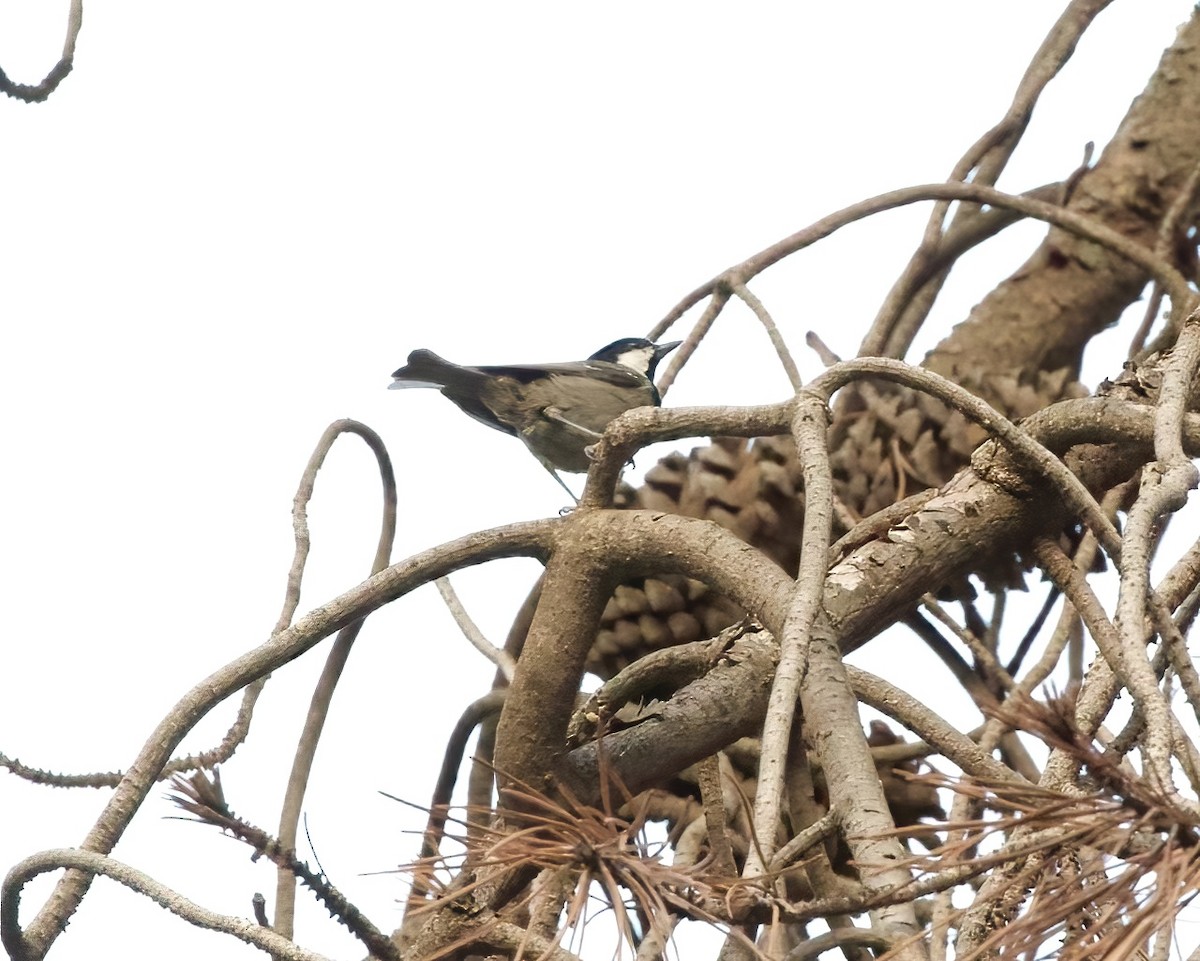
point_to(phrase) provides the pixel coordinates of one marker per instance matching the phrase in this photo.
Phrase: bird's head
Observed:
(636, 353)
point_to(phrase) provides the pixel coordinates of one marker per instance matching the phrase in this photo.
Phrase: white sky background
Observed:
(234, 220)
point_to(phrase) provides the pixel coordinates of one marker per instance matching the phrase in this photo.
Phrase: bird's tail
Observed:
(427, 369)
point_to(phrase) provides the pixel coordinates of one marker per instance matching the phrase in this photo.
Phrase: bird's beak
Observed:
(661, 350)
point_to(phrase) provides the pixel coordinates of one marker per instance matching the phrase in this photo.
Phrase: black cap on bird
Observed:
(558, 410)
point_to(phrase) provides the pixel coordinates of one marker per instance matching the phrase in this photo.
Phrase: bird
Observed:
(558, 410)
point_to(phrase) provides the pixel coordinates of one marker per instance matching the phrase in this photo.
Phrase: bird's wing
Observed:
(615, 374)
(598, 399)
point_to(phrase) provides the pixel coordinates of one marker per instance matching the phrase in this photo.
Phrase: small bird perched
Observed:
(558, 410)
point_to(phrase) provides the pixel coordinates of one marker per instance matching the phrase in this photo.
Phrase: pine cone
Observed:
(749, 489)
(886, 443)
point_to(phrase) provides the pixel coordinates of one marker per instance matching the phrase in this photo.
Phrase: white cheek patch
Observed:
(637, 359)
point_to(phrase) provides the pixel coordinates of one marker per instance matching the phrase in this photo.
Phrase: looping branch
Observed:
(36, 93)
(92, 864)
(322, 696)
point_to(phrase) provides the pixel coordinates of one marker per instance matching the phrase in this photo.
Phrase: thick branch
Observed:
(883, 578)
(594, 549)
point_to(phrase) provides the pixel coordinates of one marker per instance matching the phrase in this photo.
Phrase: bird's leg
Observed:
(550, 467)
(563, 484)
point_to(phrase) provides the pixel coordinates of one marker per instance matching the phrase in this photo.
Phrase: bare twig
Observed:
(879, 939)
(35, 93)
(712, 794)
(485, 707)
(928, 725)
(983, 655)
(777, 341)
(322, 697)
(809, 428)
(498, 656)
(803, 840)
(92, 864)
(1074, 494)
(1164, 246)
(679, 357)
(1173, 282)
(205, 760)
(1164, 488)
(899, 317)
(205, 800)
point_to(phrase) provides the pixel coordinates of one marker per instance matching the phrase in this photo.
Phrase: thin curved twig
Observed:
(1164, 488)
(96, 864)
(1132, 668)
(685, 350)
(1074, 494)
(809, 426)
(240, 727)
(497, 655)
(879, 939)
(205, 760)
(777, 341)
(322, 696)
(1173, 282)
(899, 316)
(1164, 246)
(983, 655)
(484, 707)
(36, 93)
(928, 725)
